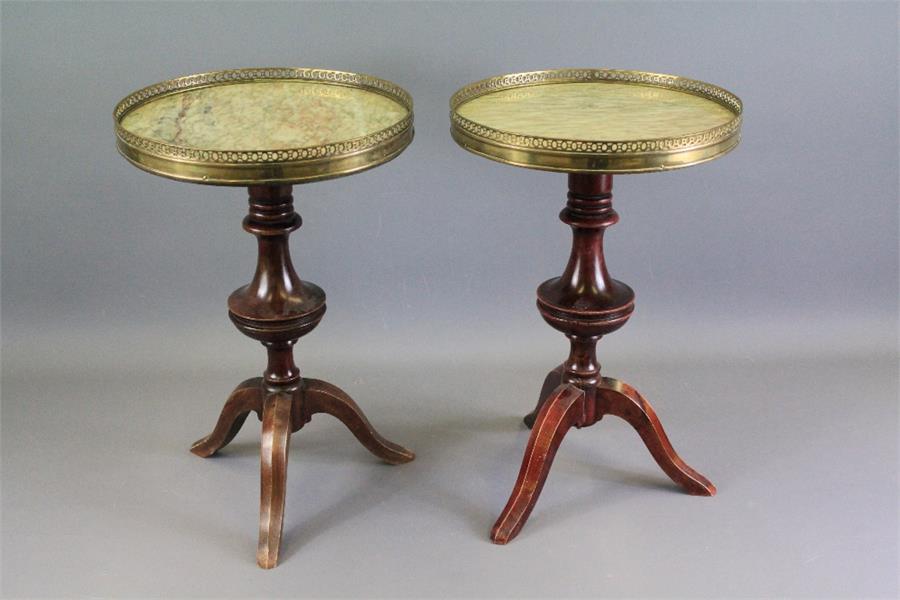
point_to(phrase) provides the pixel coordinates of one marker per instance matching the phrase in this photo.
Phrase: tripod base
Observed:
(284, 411)
(563, 405)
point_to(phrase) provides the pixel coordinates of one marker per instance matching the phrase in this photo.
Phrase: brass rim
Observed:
(561, 154)
(265, 166)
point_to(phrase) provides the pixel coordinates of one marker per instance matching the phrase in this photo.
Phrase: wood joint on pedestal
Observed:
(585, 304)
(276, 309)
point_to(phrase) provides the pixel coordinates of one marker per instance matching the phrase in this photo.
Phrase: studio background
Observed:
(765, 331)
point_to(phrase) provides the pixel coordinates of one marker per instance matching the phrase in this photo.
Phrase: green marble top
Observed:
(263, 115)
(596, 111)
(583, 120)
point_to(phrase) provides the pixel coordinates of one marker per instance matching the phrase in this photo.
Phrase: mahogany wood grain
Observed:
(561, 410)
(585, 304)
(620, 399)
(551, 382)
(273, 457)
(277, 308)
(247, 397)
(322, 397)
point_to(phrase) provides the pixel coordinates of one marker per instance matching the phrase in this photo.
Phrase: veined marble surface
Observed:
(595, 111)
(264, 115)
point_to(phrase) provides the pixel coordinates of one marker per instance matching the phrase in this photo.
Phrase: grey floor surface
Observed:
(101, 497)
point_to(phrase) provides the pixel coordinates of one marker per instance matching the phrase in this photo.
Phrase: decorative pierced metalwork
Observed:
(262, 156)
(726, 134)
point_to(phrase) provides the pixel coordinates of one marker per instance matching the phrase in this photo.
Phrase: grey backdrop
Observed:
(765, 332)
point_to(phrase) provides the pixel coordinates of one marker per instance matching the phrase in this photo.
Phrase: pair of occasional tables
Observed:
(270, 128)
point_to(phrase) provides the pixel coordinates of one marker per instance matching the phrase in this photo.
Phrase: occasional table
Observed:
(267, 129)
(591, 124)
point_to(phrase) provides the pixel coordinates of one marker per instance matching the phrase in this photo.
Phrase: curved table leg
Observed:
(620, 399)
(276, 435)
(322, 397)
(551, 382)
(246, 397)
(561, 410)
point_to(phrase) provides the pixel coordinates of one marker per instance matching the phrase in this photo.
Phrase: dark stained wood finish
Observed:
(277, 308)
(245, 398)
(322, 397)
(551, 382)
(585, 304)
(560, 412)
(620, 399)
(273, 457)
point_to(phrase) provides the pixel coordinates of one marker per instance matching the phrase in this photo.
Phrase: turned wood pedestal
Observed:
(267, 129)
(585, 304)
(591, 124)
(277, 308)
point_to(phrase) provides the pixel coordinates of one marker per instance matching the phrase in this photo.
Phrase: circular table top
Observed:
(596, 120)
(264, 126)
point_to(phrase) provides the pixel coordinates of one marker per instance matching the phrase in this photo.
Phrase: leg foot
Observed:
(245, 398)
(620, 399)
(322, 397)
(276, 435)
(551, 382)
(560, 411)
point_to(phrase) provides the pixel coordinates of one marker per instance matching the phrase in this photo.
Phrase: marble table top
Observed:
(596, 111)
(264, 126)
(264, 115)
(596, 120)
